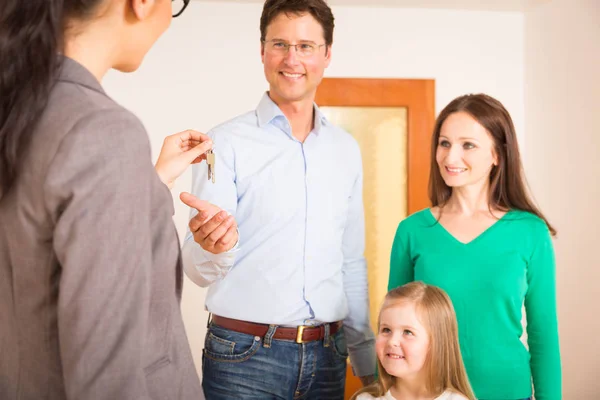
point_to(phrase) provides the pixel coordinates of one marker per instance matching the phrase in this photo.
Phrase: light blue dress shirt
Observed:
(300, 255)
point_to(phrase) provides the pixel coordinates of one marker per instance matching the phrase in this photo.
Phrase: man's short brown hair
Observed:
(317, 8)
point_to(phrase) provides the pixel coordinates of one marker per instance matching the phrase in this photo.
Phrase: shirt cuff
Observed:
(221, 260)
(203, 267)
(364, 360)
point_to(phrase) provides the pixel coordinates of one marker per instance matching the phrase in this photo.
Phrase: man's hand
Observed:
(178, 152)
(212, 228)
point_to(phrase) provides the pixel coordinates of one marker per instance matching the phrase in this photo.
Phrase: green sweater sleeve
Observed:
(401, 265)
(542, 325)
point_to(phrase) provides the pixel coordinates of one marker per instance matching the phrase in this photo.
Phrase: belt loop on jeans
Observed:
(326, 335)
(208, 320)
(269, 336)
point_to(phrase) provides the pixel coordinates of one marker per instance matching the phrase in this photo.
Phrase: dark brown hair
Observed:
(31, 36)
(508, 190)
(317, 8)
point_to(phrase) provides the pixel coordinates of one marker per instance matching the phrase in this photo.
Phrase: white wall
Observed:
(562, 105)
(207, 69)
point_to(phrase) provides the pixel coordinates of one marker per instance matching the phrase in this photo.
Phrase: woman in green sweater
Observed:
(488, 246)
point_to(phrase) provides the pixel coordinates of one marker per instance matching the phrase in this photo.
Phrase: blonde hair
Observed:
(443, 365)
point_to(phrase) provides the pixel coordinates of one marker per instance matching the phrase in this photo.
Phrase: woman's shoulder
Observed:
(77, 110)
(422, 218)
(526, 222)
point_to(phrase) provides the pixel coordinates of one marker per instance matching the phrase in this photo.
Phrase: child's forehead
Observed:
(400, 309)
(399, 303)
(401, 312)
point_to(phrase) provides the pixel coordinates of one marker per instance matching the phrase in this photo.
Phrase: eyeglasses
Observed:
(178, 6)
(279, 47)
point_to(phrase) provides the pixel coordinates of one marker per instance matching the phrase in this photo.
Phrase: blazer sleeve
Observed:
(98, 191)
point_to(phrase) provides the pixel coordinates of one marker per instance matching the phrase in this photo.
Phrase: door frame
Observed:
(417, 95)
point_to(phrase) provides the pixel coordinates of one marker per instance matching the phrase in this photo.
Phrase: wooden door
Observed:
(392, 120)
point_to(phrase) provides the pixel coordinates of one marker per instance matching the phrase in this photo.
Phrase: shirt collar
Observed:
(267, 112)
(320, 120)
(72, 71)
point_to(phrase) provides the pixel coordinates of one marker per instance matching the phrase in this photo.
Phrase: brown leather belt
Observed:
(301, 334)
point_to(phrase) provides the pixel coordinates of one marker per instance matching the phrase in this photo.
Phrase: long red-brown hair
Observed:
(508, 190)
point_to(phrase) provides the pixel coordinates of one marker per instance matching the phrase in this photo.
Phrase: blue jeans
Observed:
(238, 366)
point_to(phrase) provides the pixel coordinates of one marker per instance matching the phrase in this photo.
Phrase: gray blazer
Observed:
(90, 269)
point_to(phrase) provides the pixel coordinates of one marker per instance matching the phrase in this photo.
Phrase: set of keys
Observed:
(210, 161)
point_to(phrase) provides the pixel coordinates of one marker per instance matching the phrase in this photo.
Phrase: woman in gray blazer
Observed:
(90, 270)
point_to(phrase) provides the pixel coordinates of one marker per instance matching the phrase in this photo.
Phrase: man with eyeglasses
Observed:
(287, 278)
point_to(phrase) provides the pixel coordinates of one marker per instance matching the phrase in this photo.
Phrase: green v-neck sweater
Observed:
(489, 280)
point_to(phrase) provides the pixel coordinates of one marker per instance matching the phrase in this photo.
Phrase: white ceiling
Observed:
(489, 5)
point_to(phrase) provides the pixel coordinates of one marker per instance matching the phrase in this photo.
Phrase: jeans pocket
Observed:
(224, 345)
(339, 344)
